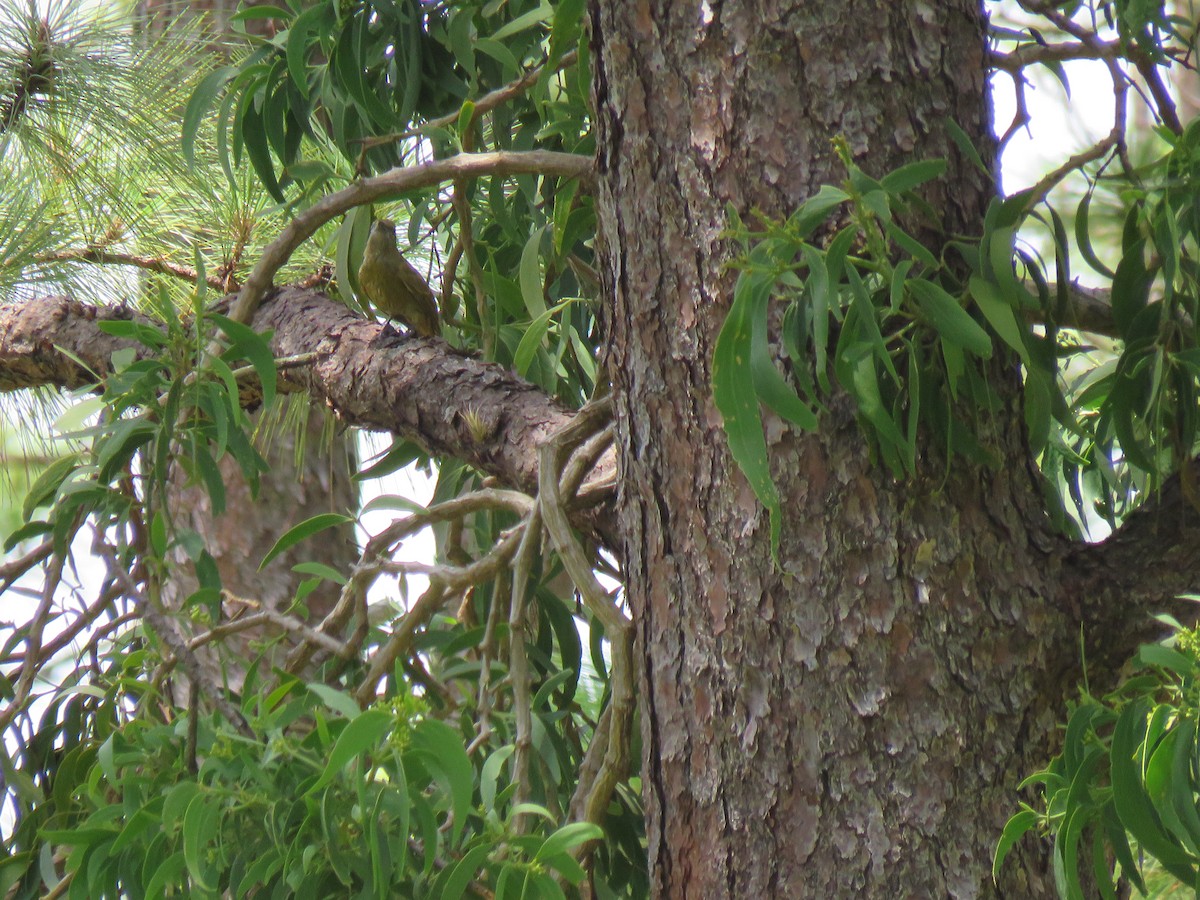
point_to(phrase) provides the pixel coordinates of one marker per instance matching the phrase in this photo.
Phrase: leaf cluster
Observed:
(157, 406)
(1129, 770)
(910, 337)
(333, 802)
(870, 310)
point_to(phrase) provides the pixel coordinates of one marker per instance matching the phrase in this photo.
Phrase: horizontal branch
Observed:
(483, 105)
(1118, 584)
(389, 184)
(1088, 309)
(161, 265)
(1030, 53)
(367, 373)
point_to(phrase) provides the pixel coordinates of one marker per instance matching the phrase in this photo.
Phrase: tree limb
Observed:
(1117, 585)
(370, 375)
(1032, 52)
(389, 184)
(161, 265)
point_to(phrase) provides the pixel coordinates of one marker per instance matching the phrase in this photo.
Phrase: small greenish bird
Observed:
(393, 286)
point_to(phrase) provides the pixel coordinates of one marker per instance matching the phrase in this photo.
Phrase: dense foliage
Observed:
(307, 782)
(479, 740)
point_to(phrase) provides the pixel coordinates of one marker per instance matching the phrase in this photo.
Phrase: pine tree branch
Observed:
(161, 265)
(369, 374)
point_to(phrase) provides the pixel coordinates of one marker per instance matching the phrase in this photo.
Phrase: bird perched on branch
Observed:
(393, 286)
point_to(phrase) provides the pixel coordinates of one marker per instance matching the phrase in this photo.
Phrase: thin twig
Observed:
(158, 264)
(485, 104)
(597, 600)
(401, 640)
(268, 616)
(1028, 54)
(596, 784)
(34, 660)
(389, 184)
(82, 621)
(15, 568)
(518, 664)
(157, 620)
(501, 598)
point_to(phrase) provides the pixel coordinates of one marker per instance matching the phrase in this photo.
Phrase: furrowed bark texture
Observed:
(852, 723)
(366, 372)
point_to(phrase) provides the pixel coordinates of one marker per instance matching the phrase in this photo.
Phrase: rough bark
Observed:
(366, 373)
(853, 722)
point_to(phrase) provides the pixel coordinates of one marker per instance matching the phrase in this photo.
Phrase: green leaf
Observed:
(74, 416)
(147, 335)
(865, 387)
(737, 400)
(770, 386)
(1083, 237)
(336, 700)
(1133, 806)
(166, 875)
(910, 245)
(816, 209)
(966, 147)
(1182, 785)
(200, 825)
(913, 175)
(311, 22)
(46, 485)
(321, 571)
(463, 872)
(538, 16)
(177, 801)
(1066, 844)
(564, 204)
(392, 502)
(441, 747)
(261, 11)
(198, 105)
(1014, 830)
(396, 457)
(541, 700)
(530, 275)
(466, 115)
(1173, 660)
(1001, 316)
(860, 299)
(145, 820)
(253, 131)
(1130, 287)
(248, 343)
(570, 835)
(821, 291)
(361, 733)
(1118, 839)
(532, 339)
(305, 529)
(564, 33)
(1162, 791)
(500, 53)
(13, 868)
(490, 774)
(952, 322)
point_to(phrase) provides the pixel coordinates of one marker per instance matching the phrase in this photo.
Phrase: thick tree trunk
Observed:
(852, 723)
